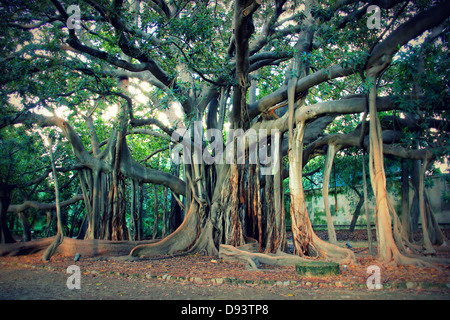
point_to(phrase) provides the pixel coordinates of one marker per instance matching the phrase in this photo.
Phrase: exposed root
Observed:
(179, 241)
(333, 252)
(230, 253)
(69, 247)
(246, 254)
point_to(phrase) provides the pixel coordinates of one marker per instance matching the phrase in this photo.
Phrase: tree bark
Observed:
(26, 236)
(178, 241)
(155, 213)
(276, 229)
(332, 149)
(426, 238)
(233, 254)
(59, 238)
(366, 207)
(165, 214)
(388, 251)
(306, 242)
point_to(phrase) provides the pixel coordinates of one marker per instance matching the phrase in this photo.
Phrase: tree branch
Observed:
(16, 208)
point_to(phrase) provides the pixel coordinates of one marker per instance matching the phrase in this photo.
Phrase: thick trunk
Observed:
(134, 221)
(177, 242)
(232, 209)
(301, 225)
(388, 251)
(432, 233)
(306, 242)
(386, 244)
(119, 226)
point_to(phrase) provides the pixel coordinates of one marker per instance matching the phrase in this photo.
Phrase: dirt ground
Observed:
(21, 283)
(198, 277)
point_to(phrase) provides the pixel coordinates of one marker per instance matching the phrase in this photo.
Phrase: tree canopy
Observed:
(124, 87)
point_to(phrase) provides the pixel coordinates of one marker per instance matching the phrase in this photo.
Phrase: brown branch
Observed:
(303, 84)
(409, 30)
(16, 208)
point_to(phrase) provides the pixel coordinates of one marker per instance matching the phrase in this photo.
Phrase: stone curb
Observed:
(235, 281)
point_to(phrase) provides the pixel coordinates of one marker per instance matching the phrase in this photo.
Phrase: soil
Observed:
(206, 278)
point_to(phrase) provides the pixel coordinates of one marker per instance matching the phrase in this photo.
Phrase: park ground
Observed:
(199, 277)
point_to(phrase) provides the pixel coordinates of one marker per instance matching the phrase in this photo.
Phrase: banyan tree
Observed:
(263, 88)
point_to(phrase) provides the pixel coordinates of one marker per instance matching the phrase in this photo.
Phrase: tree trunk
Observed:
(156, 213)
(406, 216)
(233, 233)
(26, 236)
(388, 251)
(133, 212)
(276, 229)
(140, 211)
(136, 209)
(415, 178)
(436, 235)
(366, 207)
(332, 149)
(60, 230)
(356, 213)
(426, 238)
(165, 214)
(301, 225)
(178, 241)
(176, 214)
(306, 242)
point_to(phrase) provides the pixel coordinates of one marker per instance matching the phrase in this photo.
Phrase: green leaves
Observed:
(354, 59)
